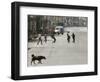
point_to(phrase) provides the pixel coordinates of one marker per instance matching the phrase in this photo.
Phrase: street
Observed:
(61, 52)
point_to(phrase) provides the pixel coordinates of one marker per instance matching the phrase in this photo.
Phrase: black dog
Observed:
(38, 58)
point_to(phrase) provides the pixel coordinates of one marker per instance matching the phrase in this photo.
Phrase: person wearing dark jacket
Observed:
(73, 37)
(53, 37)
(68, 37)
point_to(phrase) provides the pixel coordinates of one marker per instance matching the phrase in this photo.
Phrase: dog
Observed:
(38, 58)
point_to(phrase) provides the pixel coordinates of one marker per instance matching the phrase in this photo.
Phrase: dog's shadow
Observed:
(37, 58)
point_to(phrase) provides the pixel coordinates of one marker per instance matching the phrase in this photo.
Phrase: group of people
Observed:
(45, 38)
(40, 40)
(69, 37)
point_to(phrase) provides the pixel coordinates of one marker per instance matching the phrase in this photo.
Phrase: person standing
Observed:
(68, 37)
(73, 37)
(53, 36)
(45, 38)
(39, 39)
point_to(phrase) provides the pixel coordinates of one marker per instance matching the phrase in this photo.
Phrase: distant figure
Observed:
(73, 37)
(68, 37)
(53, 37)
(62, 31)
(39, 39)
(45, 38)
(29, 48)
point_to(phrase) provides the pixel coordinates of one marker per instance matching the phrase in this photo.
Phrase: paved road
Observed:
(61, 52)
